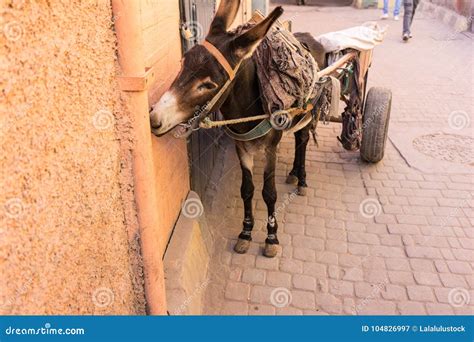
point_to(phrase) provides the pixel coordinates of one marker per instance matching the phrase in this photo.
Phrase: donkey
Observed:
(203, 74)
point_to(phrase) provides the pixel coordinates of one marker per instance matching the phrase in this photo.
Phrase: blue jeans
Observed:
(409, 12)
(396, 10)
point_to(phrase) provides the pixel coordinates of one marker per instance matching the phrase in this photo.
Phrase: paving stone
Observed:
(420, 293)
(358, 249)
(328, 303)
(305, 254)
(308, 242)
(423, 252)
(375, 307)
(291, 266)
(314, 269)
(439, 309)
(452, 280)
(244, 260)
(375, 276)
(253, 276)
(267, 263)
(260, 309)
(336, 234)
(261, 294)
(364, 238)
(327, 258)
(304, 282)
(459, 267)
(352, 274)
(279, 279)
(289, 311)
(427, 278)
(315, 231)
(341, 288)
(394, 292)
(401, 277)
(398, 228)
(397, 264)
(303, 299)
(336, 246)
(237, 291)
(235, 308)
(422, 265)
(293, 228)
(411, 308)
(348, 260)
(411, 219)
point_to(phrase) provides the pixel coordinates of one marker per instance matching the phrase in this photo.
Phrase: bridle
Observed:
(201, 119)
(231, 73)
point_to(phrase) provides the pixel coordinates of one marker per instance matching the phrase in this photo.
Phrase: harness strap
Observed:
(231, 73)
(258, 131)
(220, 58)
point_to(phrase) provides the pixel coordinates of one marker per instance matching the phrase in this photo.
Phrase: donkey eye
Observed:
(207, 86)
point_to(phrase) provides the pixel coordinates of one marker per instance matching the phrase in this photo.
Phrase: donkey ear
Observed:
(224, 17)
(245, 44)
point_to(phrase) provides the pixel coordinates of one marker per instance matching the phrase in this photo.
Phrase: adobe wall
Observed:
(68, 233)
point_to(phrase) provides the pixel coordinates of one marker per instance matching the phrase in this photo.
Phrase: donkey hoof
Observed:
(242, 246)
(302, 190)
(270, 250)
(291, 179)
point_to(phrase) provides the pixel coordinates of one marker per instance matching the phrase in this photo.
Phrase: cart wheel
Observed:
(375, 124)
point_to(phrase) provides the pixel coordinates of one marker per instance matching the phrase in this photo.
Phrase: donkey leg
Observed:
(246, 192)
(269, 194)
(293, 175)
(302, 139)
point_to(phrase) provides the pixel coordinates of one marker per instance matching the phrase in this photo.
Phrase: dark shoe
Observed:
(406, 36)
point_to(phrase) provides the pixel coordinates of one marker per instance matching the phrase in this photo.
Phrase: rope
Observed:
(208, 123)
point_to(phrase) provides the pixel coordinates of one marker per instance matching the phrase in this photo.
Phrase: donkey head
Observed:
(201, 75)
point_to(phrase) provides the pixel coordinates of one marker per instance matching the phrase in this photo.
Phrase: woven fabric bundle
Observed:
(286, 70)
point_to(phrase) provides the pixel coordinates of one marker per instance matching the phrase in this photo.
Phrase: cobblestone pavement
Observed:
(367, 239)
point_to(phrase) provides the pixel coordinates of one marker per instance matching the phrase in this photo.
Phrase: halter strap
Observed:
(231, 73)
(220, 58)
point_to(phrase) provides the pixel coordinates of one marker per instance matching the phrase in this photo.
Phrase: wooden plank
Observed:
(338, 64)
(153, 12)
(161, 40)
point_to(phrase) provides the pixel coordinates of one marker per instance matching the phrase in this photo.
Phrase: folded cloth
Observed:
(362, 38)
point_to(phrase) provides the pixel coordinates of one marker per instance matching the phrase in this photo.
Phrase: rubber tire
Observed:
(375, 124)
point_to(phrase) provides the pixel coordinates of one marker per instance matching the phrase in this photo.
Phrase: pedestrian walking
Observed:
(409, 8)
(396, 10)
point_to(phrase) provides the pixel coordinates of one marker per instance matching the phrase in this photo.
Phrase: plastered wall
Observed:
(68, 233)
